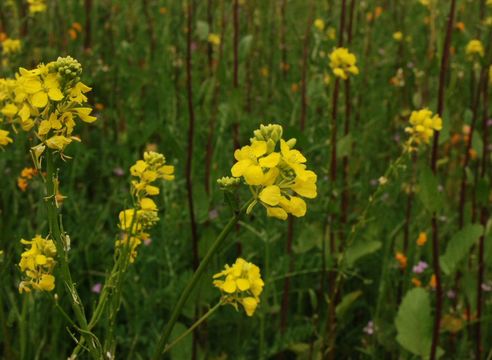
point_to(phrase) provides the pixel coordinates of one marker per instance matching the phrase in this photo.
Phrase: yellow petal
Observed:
(277, 212)
(242, 284)
(249, 304)
(55, 94)
(298, 206)
(270, 161)
(40, 99)
(258, 148)
(270, 195)
(229, 286)
(253, 175)
(240, 167)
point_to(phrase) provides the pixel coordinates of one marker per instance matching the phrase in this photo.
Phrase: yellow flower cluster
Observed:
(4, 138)
(11, 46)
(36, 6)
(277, 179)
(133, 222)
(49, 98)
(37, 263)
(422, 128)
(214, 39)
(241, 284)
(473, 48)
(343, 63)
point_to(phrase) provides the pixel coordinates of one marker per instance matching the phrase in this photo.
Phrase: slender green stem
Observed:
(194, 280)
(62, 257)
(193, 327)
(23, 328)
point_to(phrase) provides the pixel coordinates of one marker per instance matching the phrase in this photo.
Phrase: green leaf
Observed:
(414, 323)
(245, 46)
(346, 303)
(310, 237)
(202, 30)
(361, 249)
(344, 146)
(429, 193)
(183, 349)
(459, 246)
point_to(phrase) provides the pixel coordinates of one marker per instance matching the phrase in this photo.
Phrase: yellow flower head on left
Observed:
(240, 284)
(474, 48)
(343, 63)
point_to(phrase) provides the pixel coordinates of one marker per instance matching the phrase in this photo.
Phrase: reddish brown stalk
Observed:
(88, 27)
(433, 164)
(283, 42)
(304, 66)
(210, 21)
(215, 100)
(484, 215)
(150, 27)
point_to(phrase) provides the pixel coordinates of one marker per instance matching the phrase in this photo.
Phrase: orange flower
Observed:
(422, 239)
(294, 88)
(72, 33)
(99, 106)
(432, 282)
(460, 26)
(416, 282)
(22, 184)
(473, 154)
(3, 37)
(402, 259)
(77, 27)
(378, 11)
(28, 173)
(455, 139)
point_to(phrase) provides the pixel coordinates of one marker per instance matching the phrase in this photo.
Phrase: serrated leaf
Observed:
(346, 303)
(429, 193)
(414, 323)
(459, 246)
(361, 249)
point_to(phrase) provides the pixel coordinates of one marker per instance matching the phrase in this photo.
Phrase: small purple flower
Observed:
(96, 288)
(486, 287)
(374, 182)
(147, 241)
(397, 138)
(420, 267)
(489, 122)
(117, 171)
(369, 328)
(194, 46)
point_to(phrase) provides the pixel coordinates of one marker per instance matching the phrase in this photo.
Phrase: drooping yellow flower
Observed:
(11, 46)
(422, 239)
(37, 263)
(4, 138)
(474, 48)
(422, 128)
(278, 178)
(240, 284)
(343, 63)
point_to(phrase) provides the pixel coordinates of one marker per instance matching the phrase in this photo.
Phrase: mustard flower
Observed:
(11, 46)
(319, 24)
(214, 39)
(49, 98)
(37, 263)
(4, 138)
(474, 48)
(398, 36)
(240, 284)
(343, 63)
(133, 222)
(423, 124)
(36, 6)
(276, 173)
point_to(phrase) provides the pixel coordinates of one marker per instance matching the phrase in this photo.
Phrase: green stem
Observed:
(193, 327)
(194, 280)
(62, 254)
(23, 328)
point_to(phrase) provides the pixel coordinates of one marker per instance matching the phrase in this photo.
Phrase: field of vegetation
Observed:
(245, 179)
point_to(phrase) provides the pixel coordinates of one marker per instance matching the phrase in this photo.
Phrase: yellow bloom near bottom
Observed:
(240, 284)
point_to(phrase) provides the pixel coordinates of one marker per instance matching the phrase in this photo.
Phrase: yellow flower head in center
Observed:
(276, 173)
(343, 63)
(474, 48)
(423, 125)
(241, 284)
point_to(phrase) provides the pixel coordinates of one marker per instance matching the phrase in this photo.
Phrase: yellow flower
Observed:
(489, 3)
(422, 239)
(319, 24)
(398, 36)
(37, 263)
(36, 6)
(331, 33)
(423, 125)
(214, 39)
(343, 63)
(4, 138)
(11, 46)
(474, 47)
(240, 284)
(278, 179)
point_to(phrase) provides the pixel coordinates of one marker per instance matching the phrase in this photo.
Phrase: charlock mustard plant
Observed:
(474, 49)
(343, 63)
(241, 284)
(276, 173)
(423, 125)
(37, 263)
